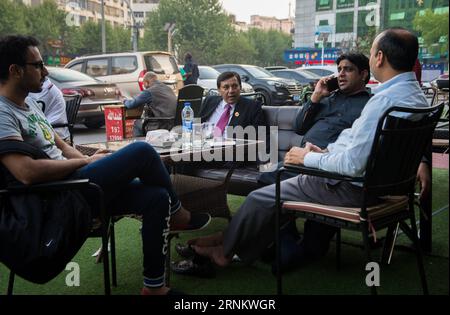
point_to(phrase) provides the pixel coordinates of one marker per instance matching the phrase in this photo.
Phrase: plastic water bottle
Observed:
(187, 118)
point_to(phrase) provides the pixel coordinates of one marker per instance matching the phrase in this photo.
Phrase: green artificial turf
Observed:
(400, 277)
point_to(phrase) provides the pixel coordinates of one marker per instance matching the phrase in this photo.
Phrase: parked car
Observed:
(303, 77)
(276, 91)
(271, 68)
(127, 70)
(320, 70)
(95, 94)
(208, 81)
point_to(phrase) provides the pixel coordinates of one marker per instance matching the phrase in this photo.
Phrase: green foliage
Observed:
(432, 27)
(46, 22)
(201, 27)
(227, 53)
(269, 46)
(12, 18)
(364, 43)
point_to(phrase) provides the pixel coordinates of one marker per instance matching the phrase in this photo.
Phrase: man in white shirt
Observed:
(53, 106)
(392, 58)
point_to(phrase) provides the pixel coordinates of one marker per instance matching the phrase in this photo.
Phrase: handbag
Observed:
(39, 232)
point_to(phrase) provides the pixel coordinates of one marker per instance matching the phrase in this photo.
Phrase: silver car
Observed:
(95, 94)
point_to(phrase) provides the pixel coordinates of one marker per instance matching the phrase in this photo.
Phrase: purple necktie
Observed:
(223, 120)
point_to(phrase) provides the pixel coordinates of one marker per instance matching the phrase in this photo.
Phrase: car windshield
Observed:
(308, 74)
(68, 75)
(207, 73)
(258, 72)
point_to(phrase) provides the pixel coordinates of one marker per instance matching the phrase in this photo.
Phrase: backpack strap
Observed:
(17, 146)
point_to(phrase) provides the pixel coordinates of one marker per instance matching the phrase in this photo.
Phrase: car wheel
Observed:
(94, 123)
(266, 96)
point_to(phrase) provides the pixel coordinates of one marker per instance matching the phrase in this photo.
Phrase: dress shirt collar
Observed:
(406, 76)
(223, 105)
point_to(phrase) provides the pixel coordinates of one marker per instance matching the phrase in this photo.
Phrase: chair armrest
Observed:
(61, 125)
(319, 173)
(45, 187)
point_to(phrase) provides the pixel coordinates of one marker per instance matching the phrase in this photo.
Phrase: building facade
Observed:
(344, 21)
(117, 12)
(271, 23)
(141, 9)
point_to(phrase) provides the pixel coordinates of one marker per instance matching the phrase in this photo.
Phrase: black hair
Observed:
(400, 47)
(359, 60)
(187, 56)
(13, 50)
(228, 75)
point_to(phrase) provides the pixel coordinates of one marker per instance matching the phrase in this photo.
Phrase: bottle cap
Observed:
(187, 104)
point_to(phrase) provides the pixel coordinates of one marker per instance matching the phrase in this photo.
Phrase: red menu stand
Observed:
(118, 127)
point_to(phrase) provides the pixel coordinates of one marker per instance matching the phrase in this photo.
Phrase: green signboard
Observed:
(322, 5)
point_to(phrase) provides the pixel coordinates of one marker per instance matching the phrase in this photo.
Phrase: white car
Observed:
(208, 81)
(322, 71)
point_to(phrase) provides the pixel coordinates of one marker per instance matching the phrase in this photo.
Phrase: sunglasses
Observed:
(37, 65)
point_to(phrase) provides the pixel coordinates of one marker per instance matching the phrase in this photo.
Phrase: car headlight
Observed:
(247, 90)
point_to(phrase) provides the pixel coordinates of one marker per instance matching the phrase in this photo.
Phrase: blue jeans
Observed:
(134, 180)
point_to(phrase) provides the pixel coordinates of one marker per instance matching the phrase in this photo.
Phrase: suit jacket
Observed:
(246, 112)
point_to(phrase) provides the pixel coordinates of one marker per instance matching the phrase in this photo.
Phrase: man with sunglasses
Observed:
(133, 179)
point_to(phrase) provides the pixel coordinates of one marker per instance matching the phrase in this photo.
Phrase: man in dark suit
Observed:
(230, 109)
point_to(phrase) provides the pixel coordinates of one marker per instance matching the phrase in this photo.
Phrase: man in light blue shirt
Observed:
(392, 58)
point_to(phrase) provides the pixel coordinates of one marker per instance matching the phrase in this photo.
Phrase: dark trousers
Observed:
(135, 181)
(317, 236)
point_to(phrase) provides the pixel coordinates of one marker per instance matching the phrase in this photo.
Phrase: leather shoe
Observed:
(204, 269)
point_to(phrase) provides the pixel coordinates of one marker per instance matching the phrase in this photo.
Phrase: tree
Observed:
(433, 27)
(12, 17)
(269, 46)
(201, 26)
(364, 43)
(227, 52)
(47, 23)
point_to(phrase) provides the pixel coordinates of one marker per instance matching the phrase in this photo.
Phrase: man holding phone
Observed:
(337, 101)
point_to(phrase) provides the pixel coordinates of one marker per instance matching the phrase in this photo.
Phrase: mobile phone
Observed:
(332, 84)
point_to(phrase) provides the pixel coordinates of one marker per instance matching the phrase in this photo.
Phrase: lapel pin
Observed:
(236, 114)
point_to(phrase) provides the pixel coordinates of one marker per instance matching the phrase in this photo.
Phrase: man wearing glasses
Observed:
(133, 179)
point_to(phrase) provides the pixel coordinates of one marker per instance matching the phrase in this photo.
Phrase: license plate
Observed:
(296, 98)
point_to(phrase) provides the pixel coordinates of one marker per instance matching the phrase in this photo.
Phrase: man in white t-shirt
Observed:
(53, 106)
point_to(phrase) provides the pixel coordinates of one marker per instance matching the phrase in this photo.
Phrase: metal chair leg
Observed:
(10, 283)
(113, 255)
(419, 254)
(365, 234)
(338, 249)
(389, 244)
(105, 257)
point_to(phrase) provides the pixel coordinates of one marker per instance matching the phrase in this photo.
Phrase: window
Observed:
(323, 22)
(322, 5)
(122, 65)
(97, 67)
(344, 22)
(161, 64)
(363, 3)
(77, 66)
